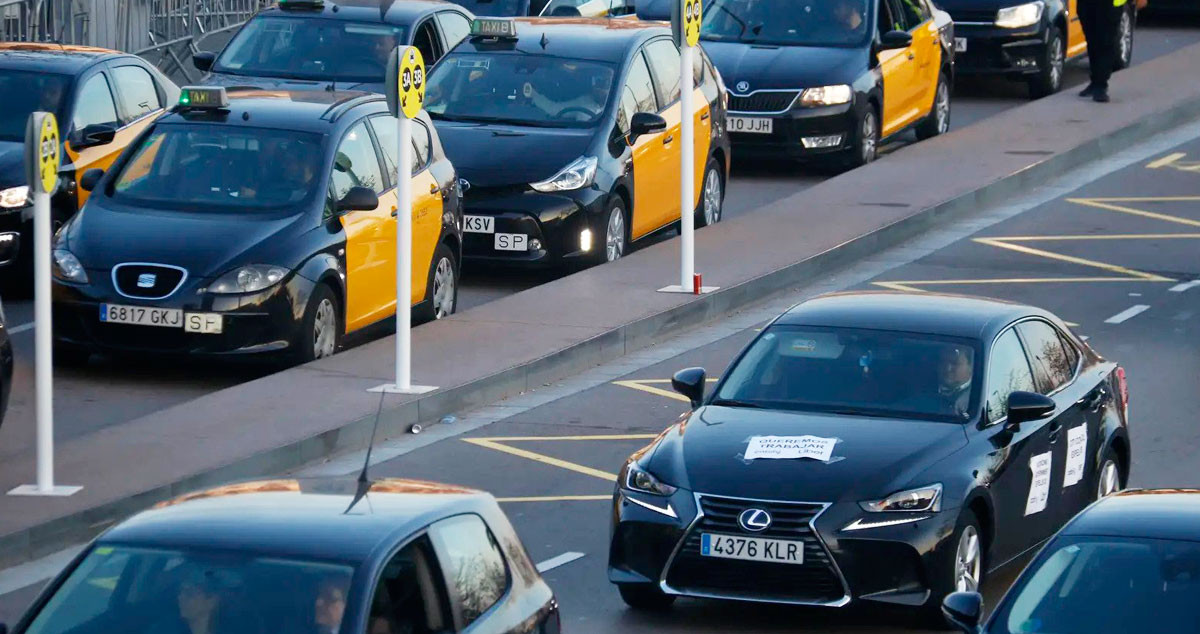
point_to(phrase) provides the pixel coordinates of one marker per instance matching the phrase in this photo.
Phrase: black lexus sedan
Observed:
(828, 81)
(1129, 563)
(255, 223)
(319, 556)
(873, 448)
(102, 99)
(1027, 40)
(568, 134)
(342, 45)
(6, 364)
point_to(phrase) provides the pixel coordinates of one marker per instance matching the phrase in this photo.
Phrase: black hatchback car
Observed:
(259, 222)
(331, 557)
(875, 448)
(1129, 563)
(343, 45)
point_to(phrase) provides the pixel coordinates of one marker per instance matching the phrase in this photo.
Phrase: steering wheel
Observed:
(562, 113)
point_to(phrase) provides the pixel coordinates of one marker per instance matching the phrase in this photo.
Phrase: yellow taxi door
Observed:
(898, 72)
(703, 126)
(927, 47)
(1076, 43)
(370, 234)
(663, 59)
(651, 156)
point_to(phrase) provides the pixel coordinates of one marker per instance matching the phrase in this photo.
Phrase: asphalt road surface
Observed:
(112, 391)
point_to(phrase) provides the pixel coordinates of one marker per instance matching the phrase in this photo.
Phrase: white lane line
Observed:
(561, 560)
(16, 330)
(1127, 314)
(1179, 288)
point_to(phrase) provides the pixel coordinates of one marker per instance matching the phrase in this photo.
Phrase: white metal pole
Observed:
(43, 343)
(404, 255)
(687, 169)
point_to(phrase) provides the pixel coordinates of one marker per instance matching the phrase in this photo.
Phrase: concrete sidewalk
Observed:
(524, 340)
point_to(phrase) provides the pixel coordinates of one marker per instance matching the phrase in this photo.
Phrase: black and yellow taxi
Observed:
(1028, 40)
(567, 134)
(550, 8)
(829, 80)
(102, 100)
(255, 222)
(319, 44)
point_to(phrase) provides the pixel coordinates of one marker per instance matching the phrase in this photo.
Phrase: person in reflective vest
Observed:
(1100, 20)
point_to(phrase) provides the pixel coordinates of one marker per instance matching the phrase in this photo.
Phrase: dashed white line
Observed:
(1127, 314)
(16, 330)
(1179, 288)
(561, 560)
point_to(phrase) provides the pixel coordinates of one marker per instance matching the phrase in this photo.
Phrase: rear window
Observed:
(292, 47)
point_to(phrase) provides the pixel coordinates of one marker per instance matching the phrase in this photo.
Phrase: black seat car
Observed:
(315, 556)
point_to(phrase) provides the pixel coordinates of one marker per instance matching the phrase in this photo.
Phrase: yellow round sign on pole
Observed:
(41, 152)
(692, 10)
(412, 82)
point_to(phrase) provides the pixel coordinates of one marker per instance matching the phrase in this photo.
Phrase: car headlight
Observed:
(826, 95)
(638, 479)
(926, 499)
(67, 267)
(14, 197)
(248, 279)
(580, 173)
(1020, 16)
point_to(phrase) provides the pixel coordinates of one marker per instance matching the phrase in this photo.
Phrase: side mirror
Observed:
(1027, 406)
(358, 199)
(87, 183)
(92, 136)
(690, 383)
(646, 123)
(203, 61)
(963, 610)
(895, 39)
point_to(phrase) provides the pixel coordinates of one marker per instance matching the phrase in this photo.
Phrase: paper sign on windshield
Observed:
(790, 447)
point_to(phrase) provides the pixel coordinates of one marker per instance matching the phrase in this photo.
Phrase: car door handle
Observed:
(1055, 428)
(433, 188)
(395, 210)
(668, 140)
(912, 55)
(1094, 399)
(704, 117)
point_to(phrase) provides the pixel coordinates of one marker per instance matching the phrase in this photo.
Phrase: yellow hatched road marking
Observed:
(1114, 236)
(1000, 243)
(540, 438)
(1165, 161)
(650, 389)
(1107, 203)
(557, 498)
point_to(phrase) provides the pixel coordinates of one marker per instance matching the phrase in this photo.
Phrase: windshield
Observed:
(519, 89)
(220, 168)
(1106, 585)
(498, 8)
(787, 22)
(311, 48)
(858, 372)
(135, 590)
(26, 92)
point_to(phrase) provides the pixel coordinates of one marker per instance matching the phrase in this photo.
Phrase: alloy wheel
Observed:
(1125, 39)
(1110, 480)
(1057, 56)
(324, 333)
(712, 197)
(443, 289)
(943, 107)
(968, 561)
(614, 239)
(868, 137)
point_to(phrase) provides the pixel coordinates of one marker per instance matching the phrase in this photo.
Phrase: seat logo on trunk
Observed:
(754, 520)
(147, 280)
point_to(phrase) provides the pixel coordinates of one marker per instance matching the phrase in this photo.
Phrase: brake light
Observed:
(1123, 386)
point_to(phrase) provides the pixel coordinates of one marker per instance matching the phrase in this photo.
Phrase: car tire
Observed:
(962, 557)
(712, 196)
(321, 329)
(1109, 478)
(1124, 43)
(938, 121)
(1049, 78)
(866, 140)
(645, 596)
(441, 289)
(613, 232)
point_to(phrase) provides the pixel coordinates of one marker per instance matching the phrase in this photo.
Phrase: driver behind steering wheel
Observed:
(582, 93)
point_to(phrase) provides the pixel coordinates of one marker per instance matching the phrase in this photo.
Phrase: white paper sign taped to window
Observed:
(1039, 486)
(1076, 455)
(790, 447)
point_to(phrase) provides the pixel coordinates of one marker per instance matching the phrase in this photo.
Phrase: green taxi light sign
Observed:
(203, 97)
(493, 27)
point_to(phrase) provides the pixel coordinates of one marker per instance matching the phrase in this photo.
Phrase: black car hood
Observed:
(872, 457)
(272, 83)
(494, 155)
(206, 244)
(12, 164)
(950, 6)
(774, 67)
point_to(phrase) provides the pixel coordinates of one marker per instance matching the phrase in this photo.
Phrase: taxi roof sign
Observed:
(493, 27)
(206, 97)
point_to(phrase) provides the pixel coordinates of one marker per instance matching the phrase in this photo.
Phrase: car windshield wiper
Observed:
(847, 411)
(732, 402)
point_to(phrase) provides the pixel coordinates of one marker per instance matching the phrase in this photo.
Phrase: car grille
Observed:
(814, 581)
(763, 101)
(147, 281)
(974, 15)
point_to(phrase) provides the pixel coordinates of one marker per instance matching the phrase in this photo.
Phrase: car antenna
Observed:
(364, 480)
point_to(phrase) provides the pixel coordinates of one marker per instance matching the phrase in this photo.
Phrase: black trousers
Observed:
(1100, 20)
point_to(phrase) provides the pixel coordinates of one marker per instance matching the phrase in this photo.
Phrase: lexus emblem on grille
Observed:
(147, 280)
(743, 86)
(754, 520)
